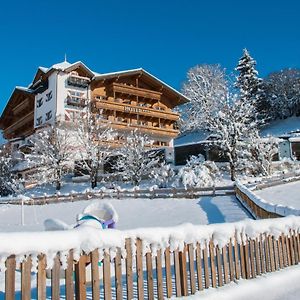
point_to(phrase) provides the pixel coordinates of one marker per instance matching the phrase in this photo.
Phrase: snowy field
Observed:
(287, 194)
(133, 213)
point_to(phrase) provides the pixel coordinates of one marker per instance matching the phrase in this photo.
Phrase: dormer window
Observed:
(48, 96)
(39, 102)
(49, 115)
(39, 121)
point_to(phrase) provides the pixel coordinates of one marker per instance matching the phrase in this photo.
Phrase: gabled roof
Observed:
(182, 97)
(9, 104)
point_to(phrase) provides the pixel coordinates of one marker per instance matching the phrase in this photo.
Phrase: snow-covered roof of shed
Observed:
(191, 138)
(281, 128)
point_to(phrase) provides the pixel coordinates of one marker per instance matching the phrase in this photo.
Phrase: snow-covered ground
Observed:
(281, 285)
(287, 194)
(133, 213)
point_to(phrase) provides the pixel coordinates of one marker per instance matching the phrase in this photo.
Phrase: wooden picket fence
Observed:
(167, 273)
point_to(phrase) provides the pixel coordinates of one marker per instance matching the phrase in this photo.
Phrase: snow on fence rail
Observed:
(145, 263)
(149, 193)
(261, 208)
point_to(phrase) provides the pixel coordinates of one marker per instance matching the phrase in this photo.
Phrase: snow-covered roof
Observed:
(192, 138)
(134, 71)
(282, 128)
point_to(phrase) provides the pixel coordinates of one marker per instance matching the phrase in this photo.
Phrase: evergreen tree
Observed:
(248, 82)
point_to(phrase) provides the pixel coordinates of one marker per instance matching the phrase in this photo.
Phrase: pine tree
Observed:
(248, 82)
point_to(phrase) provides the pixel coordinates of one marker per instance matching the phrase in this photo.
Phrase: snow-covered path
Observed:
(133, 213)
(287, 194)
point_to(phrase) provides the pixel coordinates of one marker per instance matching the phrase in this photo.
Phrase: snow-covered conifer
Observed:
(248, 82)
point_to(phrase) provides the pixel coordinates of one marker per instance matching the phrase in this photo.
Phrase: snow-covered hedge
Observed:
(268, 206)
(87, 238)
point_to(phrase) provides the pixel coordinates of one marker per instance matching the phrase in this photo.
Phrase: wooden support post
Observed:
(212, 264)
(183, 272)
(118, 275)
(192, 268)
(236, 260)
(26, 279)
(177, 273)
(206, 267)
(219, 266)
(80, 279)
(94, 257)
(231, 259)
(159, 276)
(168, 272)
(225, 264)
(41, 277)
(129, 275)
(69, 281)
(139, 269)
(199, 267)
(10, 278)
(149, 276)
(55, 277)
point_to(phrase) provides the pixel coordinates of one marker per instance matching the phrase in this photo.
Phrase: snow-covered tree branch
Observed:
(52, 153)
(136, 159)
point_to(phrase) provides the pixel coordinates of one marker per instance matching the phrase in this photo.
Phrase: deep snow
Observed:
(287, 194)
(133, 213)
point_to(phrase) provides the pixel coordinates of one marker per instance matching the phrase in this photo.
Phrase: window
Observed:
(39, 102)
(49, 115)
(48, 96)
(39, 121)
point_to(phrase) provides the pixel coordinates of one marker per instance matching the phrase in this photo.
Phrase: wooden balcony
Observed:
(151, 130)
(136, 110)
(132, 90)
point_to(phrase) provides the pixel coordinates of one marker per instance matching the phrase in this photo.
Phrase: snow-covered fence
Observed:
(121, 193)
(144, 263)
(259, 207)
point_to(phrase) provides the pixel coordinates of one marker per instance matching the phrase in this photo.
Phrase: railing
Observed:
(260, 208)
(152, 264)
(121, 194)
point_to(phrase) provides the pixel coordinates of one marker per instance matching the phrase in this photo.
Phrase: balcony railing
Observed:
(132, 90)
(78, 81)
(135, 109)
(76, 101)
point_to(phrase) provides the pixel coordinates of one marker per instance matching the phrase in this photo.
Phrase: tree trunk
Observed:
(93, 179)
(58, 185)
(232, 171)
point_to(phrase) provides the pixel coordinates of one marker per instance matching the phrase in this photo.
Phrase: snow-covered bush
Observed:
(162, 174)
(198, 173)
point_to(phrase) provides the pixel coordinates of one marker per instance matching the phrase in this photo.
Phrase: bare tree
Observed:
(282, 91)
(93, 139)
(52, 153)
(136, 159)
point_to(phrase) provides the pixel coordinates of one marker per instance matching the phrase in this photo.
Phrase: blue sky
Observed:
(164, 37)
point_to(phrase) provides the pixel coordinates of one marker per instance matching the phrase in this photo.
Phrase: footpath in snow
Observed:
(287, 194)
(280, 285)
(133, 213)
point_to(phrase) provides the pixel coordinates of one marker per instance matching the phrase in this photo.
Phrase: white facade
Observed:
(55, 103)
(45, 104)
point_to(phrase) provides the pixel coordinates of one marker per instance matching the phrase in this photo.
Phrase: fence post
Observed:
(80, 279)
